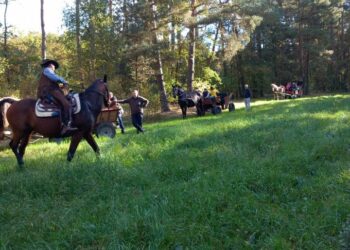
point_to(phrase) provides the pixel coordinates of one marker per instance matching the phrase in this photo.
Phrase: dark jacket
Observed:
(46, 86)
(247, 93)
(136, 104)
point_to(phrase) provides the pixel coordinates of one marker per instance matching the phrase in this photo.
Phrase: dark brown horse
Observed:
(186, 100)
(23, 121)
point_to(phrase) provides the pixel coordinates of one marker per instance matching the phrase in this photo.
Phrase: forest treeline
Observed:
(153, 44)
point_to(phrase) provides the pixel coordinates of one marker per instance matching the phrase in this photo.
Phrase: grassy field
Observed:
(277, 177)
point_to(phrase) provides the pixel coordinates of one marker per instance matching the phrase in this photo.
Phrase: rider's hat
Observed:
(47, 62)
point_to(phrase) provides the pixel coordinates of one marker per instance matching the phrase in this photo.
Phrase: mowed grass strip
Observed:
(277, 177)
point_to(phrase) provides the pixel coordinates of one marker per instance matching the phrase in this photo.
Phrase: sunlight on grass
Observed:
(274, 178)
(345, 176)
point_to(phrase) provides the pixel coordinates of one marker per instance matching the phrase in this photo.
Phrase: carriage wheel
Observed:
(105, 129)
(231, 107)
(215, 110)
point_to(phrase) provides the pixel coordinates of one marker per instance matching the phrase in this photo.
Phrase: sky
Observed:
(24, 15)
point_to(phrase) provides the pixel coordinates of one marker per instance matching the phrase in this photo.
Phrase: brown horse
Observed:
(23, 121)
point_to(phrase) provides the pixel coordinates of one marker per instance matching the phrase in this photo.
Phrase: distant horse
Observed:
(5, 104)
(23, 121)
(277, 90)
(186, 100)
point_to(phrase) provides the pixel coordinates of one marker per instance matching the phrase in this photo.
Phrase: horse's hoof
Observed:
(20, 163)
(69, 157)
(98, 155)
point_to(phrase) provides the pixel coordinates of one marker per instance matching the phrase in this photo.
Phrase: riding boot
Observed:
(66, 124)
(69, 123)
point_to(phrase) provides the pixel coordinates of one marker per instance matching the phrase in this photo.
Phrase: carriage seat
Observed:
(46, 107)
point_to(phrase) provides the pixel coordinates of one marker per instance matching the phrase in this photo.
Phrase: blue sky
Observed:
(24, 15)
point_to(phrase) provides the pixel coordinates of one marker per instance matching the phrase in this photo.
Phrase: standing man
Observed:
(50, 85)
(247, 96)
(137, 103)
(113, 104)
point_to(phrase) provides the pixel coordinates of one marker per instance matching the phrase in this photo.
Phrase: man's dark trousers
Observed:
(137, 121)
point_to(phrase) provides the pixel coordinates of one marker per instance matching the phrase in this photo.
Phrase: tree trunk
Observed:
(179, 50)
(211, 56)
(6, 50)
(301, 52)
(192, 48)
(78, 42)
(173, 34)
(43, 34)
(110, 8)
(159, 66)
(240, 74)
(342, 55)
(92, 39)
(126, 17)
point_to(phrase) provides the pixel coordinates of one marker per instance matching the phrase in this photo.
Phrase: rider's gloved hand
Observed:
(63, 84)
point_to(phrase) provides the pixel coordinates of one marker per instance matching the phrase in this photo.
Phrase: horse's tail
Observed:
(3, 101)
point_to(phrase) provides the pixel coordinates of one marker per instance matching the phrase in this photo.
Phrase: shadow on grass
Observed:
(260, 179)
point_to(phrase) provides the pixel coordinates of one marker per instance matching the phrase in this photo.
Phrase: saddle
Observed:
(46, 107)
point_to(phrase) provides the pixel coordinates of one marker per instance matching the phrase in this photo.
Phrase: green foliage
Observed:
(237, 42)
(212, 77)
(273, 178)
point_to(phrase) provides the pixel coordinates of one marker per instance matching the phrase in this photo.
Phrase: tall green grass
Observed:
(277, 177)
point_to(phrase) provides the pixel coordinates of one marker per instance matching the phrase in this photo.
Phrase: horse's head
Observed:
(175, 88)
(178, 91)
(100, 87)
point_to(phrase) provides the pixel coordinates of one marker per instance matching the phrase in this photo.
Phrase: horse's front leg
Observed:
(184, 112)
(90, 139)
(14, 144)
(183, 109)
(23, 145)
(76, 138)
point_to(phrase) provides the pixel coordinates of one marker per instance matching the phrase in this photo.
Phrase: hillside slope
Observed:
(277, 177)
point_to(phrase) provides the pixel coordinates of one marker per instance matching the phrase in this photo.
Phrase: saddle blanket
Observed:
(43, 109)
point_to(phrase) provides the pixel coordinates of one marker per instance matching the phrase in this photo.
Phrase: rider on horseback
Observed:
(50, 85)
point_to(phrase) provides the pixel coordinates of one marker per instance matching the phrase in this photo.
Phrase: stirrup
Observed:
(69, 126)
(66, 129)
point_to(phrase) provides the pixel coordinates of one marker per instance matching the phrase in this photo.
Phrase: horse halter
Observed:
(105, 94)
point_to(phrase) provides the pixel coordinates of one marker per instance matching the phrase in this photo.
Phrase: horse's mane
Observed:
(93, 86)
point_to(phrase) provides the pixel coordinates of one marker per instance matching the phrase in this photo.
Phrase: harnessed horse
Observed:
(186, 100)
(278, 90)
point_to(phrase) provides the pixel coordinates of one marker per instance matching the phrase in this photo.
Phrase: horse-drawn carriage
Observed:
(106, 123)
(212, 105)
(290, 90)
(203, 104)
